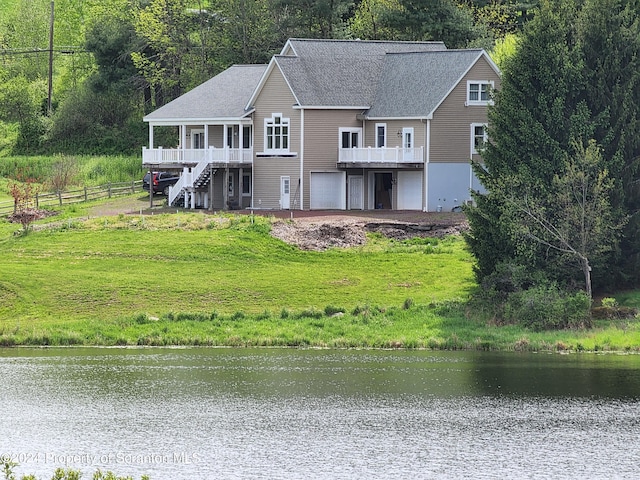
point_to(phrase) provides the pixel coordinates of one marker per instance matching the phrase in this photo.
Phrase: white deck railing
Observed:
(380, 155)
(161, 156)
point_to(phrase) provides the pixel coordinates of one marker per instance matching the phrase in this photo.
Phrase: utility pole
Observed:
(49, 108)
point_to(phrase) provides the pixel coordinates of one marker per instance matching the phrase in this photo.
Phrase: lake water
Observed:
(320, 414)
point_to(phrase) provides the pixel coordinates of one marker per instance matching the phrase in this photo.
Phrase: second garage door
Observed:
(328, 191)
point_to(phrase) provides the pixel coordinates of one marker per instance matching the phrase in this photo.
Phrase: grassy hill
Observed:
(198, 279)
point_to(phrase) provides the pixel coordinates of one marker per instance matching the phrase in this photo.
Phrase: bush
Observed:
(547, 307)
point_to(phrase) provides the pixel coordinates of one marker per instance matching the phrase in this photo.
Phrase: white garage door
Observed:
(328, 191)
(409, 190)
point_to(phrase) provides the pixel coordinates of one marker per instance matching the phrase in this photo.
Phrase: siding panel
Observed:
(275, 97)
(451, 124)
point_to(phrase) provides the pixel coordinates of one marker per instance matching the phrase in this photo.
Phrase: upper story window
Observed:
(381, 135)
(350, 137)
(276, 133)
(479, 137)
(479, 92)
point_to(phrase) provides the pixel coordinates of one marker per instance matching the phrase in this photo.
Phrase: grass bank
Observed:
(197, 279)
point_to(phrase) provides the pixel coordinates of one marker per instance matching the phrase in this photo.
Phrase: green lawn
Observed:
(197, 279)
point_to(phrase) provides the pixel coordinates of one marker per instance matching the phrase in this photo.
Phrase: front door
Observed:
(285, 193)
(356, 192)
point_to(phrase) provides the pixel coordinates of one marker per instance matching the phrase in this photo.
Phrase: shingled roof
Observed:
(223, 96)
(414, 84)
(383, 79)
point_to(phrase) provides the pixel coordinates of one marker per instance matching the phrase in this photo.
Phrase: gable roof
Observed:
(414, 84)
(337, 73)
(223, 96)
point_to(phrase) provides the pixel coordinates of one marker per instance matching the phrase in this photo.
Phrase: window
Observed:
(350, 137)
(246, 184)
(246, 136)
(381, 135)
(276, 133)
(479, 92)
(478, 137)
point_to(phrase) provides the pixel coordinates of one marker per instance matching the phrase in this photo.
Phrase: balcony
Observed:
(380, 156)
(177, 157)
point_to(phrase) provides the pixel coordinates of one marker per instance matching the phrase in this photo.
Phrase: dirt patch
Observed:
(27, 216)
(342, 231)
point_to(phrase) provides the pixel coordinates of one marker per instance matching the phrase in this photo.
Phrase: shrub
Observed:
(547, 307)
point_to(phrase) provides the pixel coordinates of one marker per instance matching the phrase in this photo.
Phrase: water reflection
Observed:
(233, 413)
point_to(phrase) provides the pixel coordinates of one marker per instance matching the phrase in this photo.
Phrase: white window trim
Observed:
(246, 194)
(270, 121)
(485, 137)
(384, 126)
(193, 133)
(357, 130)
(470, 102)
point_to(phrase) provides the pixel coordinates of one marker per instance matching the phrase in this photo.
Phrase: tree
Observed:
(609, 44)
(580, 223)
(166, 27)
(531, 128)
(557, 90)
(246, 32)
(311, 18)
(440, 20)
(368, 21)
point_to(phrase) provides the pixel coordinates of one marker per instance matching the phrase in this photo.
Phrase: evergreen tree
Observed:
(530, 130)
(575, 77)
(610, 46)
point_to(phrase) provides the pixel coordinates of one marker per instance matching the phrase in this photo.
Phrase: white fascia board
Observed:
(196, 121)
(329, 107)
(288, 44)
(388, 119)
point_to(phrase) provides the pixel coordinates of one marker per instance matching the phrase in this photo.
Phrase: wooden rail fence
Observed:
(58, 199)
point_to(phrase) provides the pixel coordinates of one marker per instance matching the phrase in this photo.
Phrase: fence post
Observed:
(109, 189)
(133, 186)
(85, 194)
(37, 201)
(60, 197)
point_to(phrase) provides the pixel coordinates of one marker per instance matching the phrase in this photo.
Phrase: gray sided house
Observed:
(332, 124)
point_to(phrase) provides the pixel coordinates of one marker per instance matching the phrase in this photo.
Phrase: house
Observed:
(332, 124)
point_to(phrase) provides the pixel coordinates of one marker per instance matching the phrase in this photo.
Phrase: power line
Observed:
(65, 50)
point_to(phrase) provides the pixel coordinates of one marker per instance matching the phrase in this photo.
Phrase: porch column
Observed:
(212, 173)
(150, 135)
(206, 136)
(225, 188)
(240, 186)
(240, 142)
(183, 136)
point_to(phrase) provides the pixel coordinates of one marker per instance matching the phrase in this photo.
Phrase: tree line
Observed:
(115, 60)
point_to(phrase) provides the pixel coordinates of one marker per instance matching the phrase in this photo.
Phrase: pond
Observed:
(286, 413)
